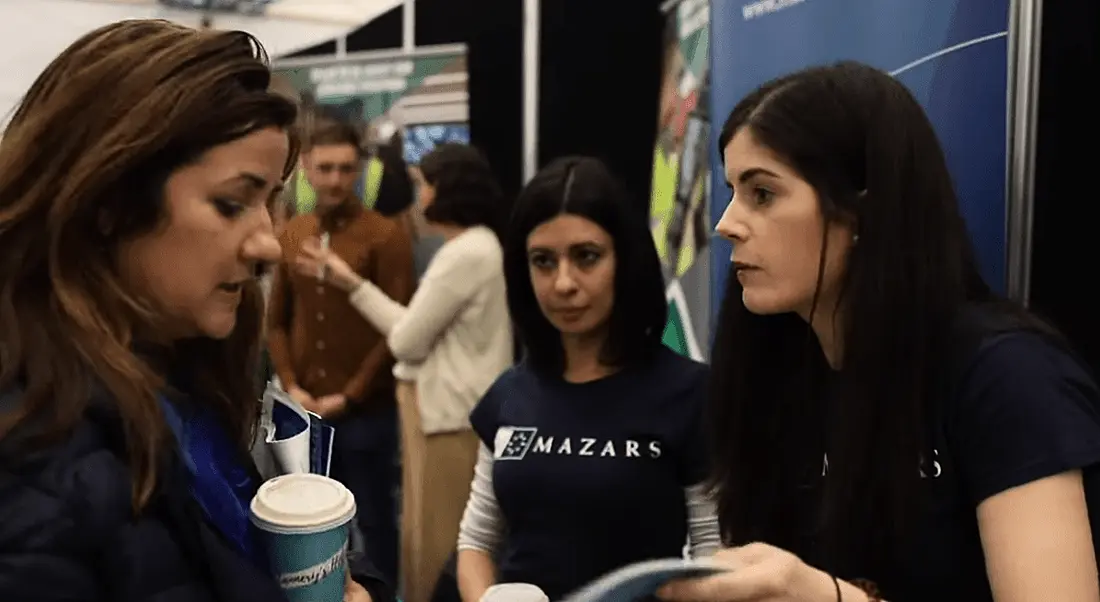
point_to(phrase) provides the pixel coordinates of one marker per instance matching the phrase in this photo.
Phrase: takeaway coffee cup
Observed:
(304, 520)
(514, 592)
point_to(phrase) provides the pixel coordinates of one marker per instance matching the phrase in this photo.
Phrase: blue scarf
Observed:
(220, 484)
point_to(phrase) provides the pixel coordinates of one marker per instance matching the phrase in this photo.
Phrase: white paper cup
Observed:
(304, 521)
(514, 592)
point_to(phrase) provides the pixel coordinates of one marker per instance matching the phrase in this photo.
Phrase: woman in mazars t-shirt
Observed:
(592, 453)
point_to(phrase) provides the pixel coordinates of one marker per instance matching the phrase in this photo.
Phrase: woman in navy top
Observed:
(879, 413)
(592, 450)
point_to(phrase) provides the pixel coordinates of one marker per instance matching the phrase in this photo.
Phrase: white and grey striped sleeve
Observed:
(482, 524)
(704, 537)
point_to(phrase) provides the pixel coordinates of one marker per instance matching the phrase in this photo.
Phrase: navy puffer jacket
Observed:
(68, 533)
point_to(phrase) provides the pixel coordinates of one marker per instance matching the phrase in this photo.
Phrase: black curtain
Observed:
(601, 72)
(1066, 222)
(600, 76)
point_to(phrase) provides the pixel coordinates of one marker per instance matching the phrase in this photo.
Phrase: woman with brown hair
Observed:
(136, 179)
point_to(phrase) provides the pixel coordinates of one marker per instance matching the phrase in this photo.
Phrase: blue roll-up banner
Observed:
(952, 54)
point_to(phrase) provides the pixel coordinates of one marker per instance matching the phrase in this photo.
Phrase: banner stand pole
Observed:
(1023, 117)
(408, 26)
(530, 88)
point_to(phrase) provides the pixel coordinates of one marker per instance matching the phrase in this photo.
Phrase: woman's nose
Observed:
(563, 280)
(731, 226)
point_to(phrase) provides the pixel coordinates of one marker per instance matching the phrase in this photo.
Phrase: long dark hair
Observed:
(82, 170)
(865, 145)
(585, 187)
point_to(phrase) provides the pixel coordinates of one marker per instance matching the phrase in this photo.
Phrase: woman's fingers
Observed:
(749, 583)
(313, 253)
(753, 572)
(335, 263)
(305, 265)
(312, 244)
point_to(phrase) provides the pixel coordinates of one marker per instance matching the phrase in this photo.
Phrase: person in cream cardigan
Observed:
(451, 343)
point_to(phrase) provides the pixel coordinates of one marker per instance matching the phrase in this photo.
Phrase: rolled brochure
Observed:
(640, 581)
(294, 439)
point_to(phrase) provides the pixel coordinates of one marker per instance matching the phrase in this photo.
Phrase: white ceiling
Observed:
(33, 32)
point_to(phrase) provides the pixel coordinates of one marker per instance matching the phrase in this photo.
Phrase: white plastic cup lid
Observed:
(514, 592)
(302, 503)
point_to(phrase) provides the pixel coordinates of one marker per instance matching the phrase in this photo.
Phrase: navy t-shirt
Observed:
(590, 477)
(1023, 410)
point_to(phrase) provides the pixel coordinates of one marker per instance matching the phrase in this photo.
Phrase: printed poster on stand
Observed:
(680, 192)
(415, 100)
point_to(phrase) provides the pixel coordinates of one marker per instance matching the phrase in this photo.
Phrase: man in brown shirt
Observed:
(326, 355)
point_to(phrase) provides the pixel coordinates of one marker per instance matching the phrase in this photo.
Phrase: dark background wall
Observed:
(601, 75)
(1064, 269)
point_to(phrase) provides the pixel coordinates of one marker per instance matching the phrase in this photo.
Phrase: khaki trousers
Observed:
(436, 474)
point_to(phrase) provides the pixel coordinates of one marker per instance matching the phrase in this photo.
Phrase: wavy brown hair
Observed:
(83, 165)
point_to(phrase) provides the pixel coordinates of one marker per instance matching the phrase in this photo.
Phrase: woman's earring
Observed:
(855, 238)
(106, 224)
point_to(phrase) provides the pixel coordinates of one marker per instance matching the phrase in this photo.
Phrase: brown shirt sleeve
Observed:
(280, 312)
(392, 271)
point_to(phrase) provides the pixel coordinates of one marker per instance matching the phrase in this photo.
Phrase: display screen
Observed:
(421, 139)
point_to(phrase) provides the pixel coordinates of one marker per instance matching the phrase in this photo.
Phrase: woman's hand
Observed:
(756, 572)
(330, 407)
(303, 398)
(323, 264)
(353, 592)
